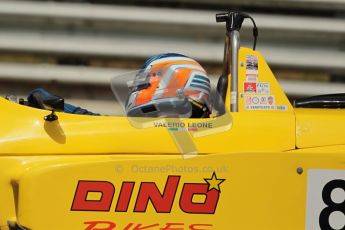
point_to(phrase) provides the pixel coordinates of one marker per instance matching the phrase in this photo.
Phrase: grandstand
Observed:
(74, 48)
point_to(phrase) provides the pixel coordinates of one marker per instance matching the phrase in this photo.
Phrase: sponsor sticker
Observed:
(148, 192)
(259, 100)
(256, 87)
(267, 107)
(281, 107)
(250, 78)
(251, 65)
(233, 97)
(263, 88)
(250, 87)
(263, 100)
(254, 102)
(270, 100)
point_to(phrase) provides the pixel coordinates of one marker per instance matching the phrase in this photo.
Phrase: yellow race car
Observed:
(258, 162)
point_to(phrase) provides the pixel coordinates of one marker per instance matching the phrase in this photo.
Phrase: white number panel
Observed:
(326, 200)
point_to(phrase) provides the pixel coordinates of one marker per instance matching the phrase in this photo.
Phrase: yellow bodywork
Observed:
(255, 161)
(319, 127)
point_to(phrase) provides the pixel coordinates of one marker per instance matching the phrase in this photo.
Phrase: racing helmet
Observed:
(170, 85)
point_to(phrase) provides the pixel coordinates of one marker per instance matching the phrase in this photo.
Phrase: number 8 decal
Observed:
(331, 205)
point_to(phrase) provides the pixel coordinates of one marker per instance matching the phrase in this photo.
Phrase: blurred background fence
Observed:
(73, 48)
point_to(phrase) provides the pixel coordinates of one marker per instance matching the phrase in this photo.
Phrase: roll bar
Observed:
(233, 22)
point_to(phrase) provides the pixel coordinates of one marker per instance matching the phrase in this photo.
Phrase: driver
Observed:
(170, 85)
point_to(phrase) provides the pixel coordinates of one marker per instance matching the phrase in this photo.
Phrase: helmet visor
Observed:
(150, 93)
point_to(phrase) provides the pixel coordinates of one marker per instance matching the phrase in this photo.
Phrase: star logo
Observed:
(214, 182)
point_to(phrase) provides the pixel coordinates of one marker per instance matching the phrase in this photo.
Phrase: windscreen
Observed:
(148, 98)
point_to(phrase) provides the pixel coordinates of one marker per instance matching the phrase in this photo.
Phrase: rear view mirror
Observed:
(42, 100)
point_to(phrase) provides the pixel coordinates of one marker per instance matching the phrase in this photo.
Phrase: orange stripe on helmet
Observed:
(178, 80)
(145, 95)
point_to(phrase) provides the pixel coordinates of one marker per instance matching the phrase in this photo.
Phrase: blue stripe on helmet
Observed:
(201, 87)
(160, 56)
(202, 78)
(201, 82)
